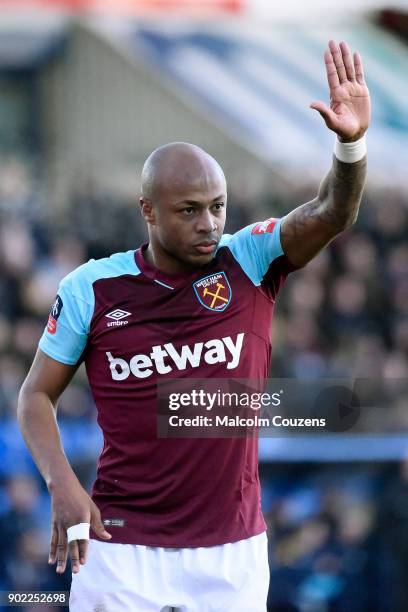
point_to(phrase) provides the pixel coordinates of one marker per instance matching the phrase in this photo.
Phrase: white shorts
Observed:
(133, 578)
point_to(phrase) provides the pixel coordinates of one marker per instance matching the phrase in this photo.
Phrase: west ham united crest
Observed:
(213, 291)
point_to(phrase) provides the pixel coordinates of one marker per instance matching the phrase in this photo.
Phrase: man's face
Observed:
(188, 216)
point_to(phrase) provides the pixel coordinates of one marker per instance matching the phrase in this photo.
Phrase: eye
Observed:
(188, 210)
(219, 206)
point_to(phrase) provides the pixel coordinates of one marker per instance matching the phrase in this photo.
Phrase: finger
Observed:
(338, 61)
(332, 76)
(74, 554)
(53, 544)
(328, 115)
(347, 61)
(358, 67)
(97, 525)
(83, 551)
(62, 551)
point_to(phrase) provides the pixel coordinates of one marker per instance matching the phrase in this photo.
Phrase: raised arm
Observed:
(310, 227)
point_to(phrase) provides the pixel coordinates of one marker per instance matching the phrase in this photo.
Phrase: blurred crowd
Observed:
(338, 536)
(346, 313)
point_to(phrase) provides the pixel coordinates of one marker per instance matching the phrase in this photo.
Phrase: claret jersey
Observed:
(134, 325)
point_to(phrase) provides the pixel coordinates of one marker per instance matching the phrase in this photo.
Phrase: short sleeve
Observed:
(256, 247)
(258, 250)
(65, 337)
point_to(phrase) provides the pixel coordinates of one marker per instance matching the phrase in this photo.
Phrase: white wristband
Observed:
(78, 532)
(350, 152)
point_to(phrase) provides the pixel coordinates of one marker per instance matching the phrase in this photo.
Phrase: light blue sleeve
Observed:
(66, 334)
(255, 247)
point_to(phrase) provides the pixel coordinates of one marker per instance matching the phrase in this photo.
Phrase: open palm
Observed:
(349, 111)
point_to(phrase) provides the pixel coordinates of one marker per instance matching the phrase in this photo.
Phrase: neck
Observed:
(165, 262)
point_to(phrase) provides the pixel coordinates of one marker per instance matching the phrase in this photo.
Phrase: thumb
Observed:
(328, 115)
(97, 525)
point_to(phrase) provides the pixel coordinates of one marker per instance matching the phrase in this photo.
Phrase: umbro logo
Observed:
(117, 315)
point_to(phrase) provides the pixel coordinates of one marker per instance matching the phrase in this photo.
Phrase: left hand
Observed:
(349, 111)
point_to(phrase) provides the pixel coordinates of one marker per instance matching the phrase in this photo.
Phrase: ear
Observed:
(147, 210)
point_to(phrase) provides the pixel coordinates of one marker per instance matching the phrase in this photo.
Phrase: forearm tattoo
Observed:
(340, 193)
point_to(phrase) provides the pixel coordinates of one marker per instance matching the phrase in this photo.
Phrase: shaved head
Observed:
(178, 166)
(184, 199)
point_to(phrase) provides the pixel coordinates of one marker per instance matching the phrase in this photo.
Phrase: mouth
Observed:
(206, 247)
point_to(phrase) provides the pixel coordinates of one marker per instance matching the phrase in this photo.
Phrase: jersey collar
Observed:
(165, 278)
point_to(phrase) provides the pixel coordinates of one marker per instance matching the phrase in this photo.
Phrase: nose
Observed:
(206, 222)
